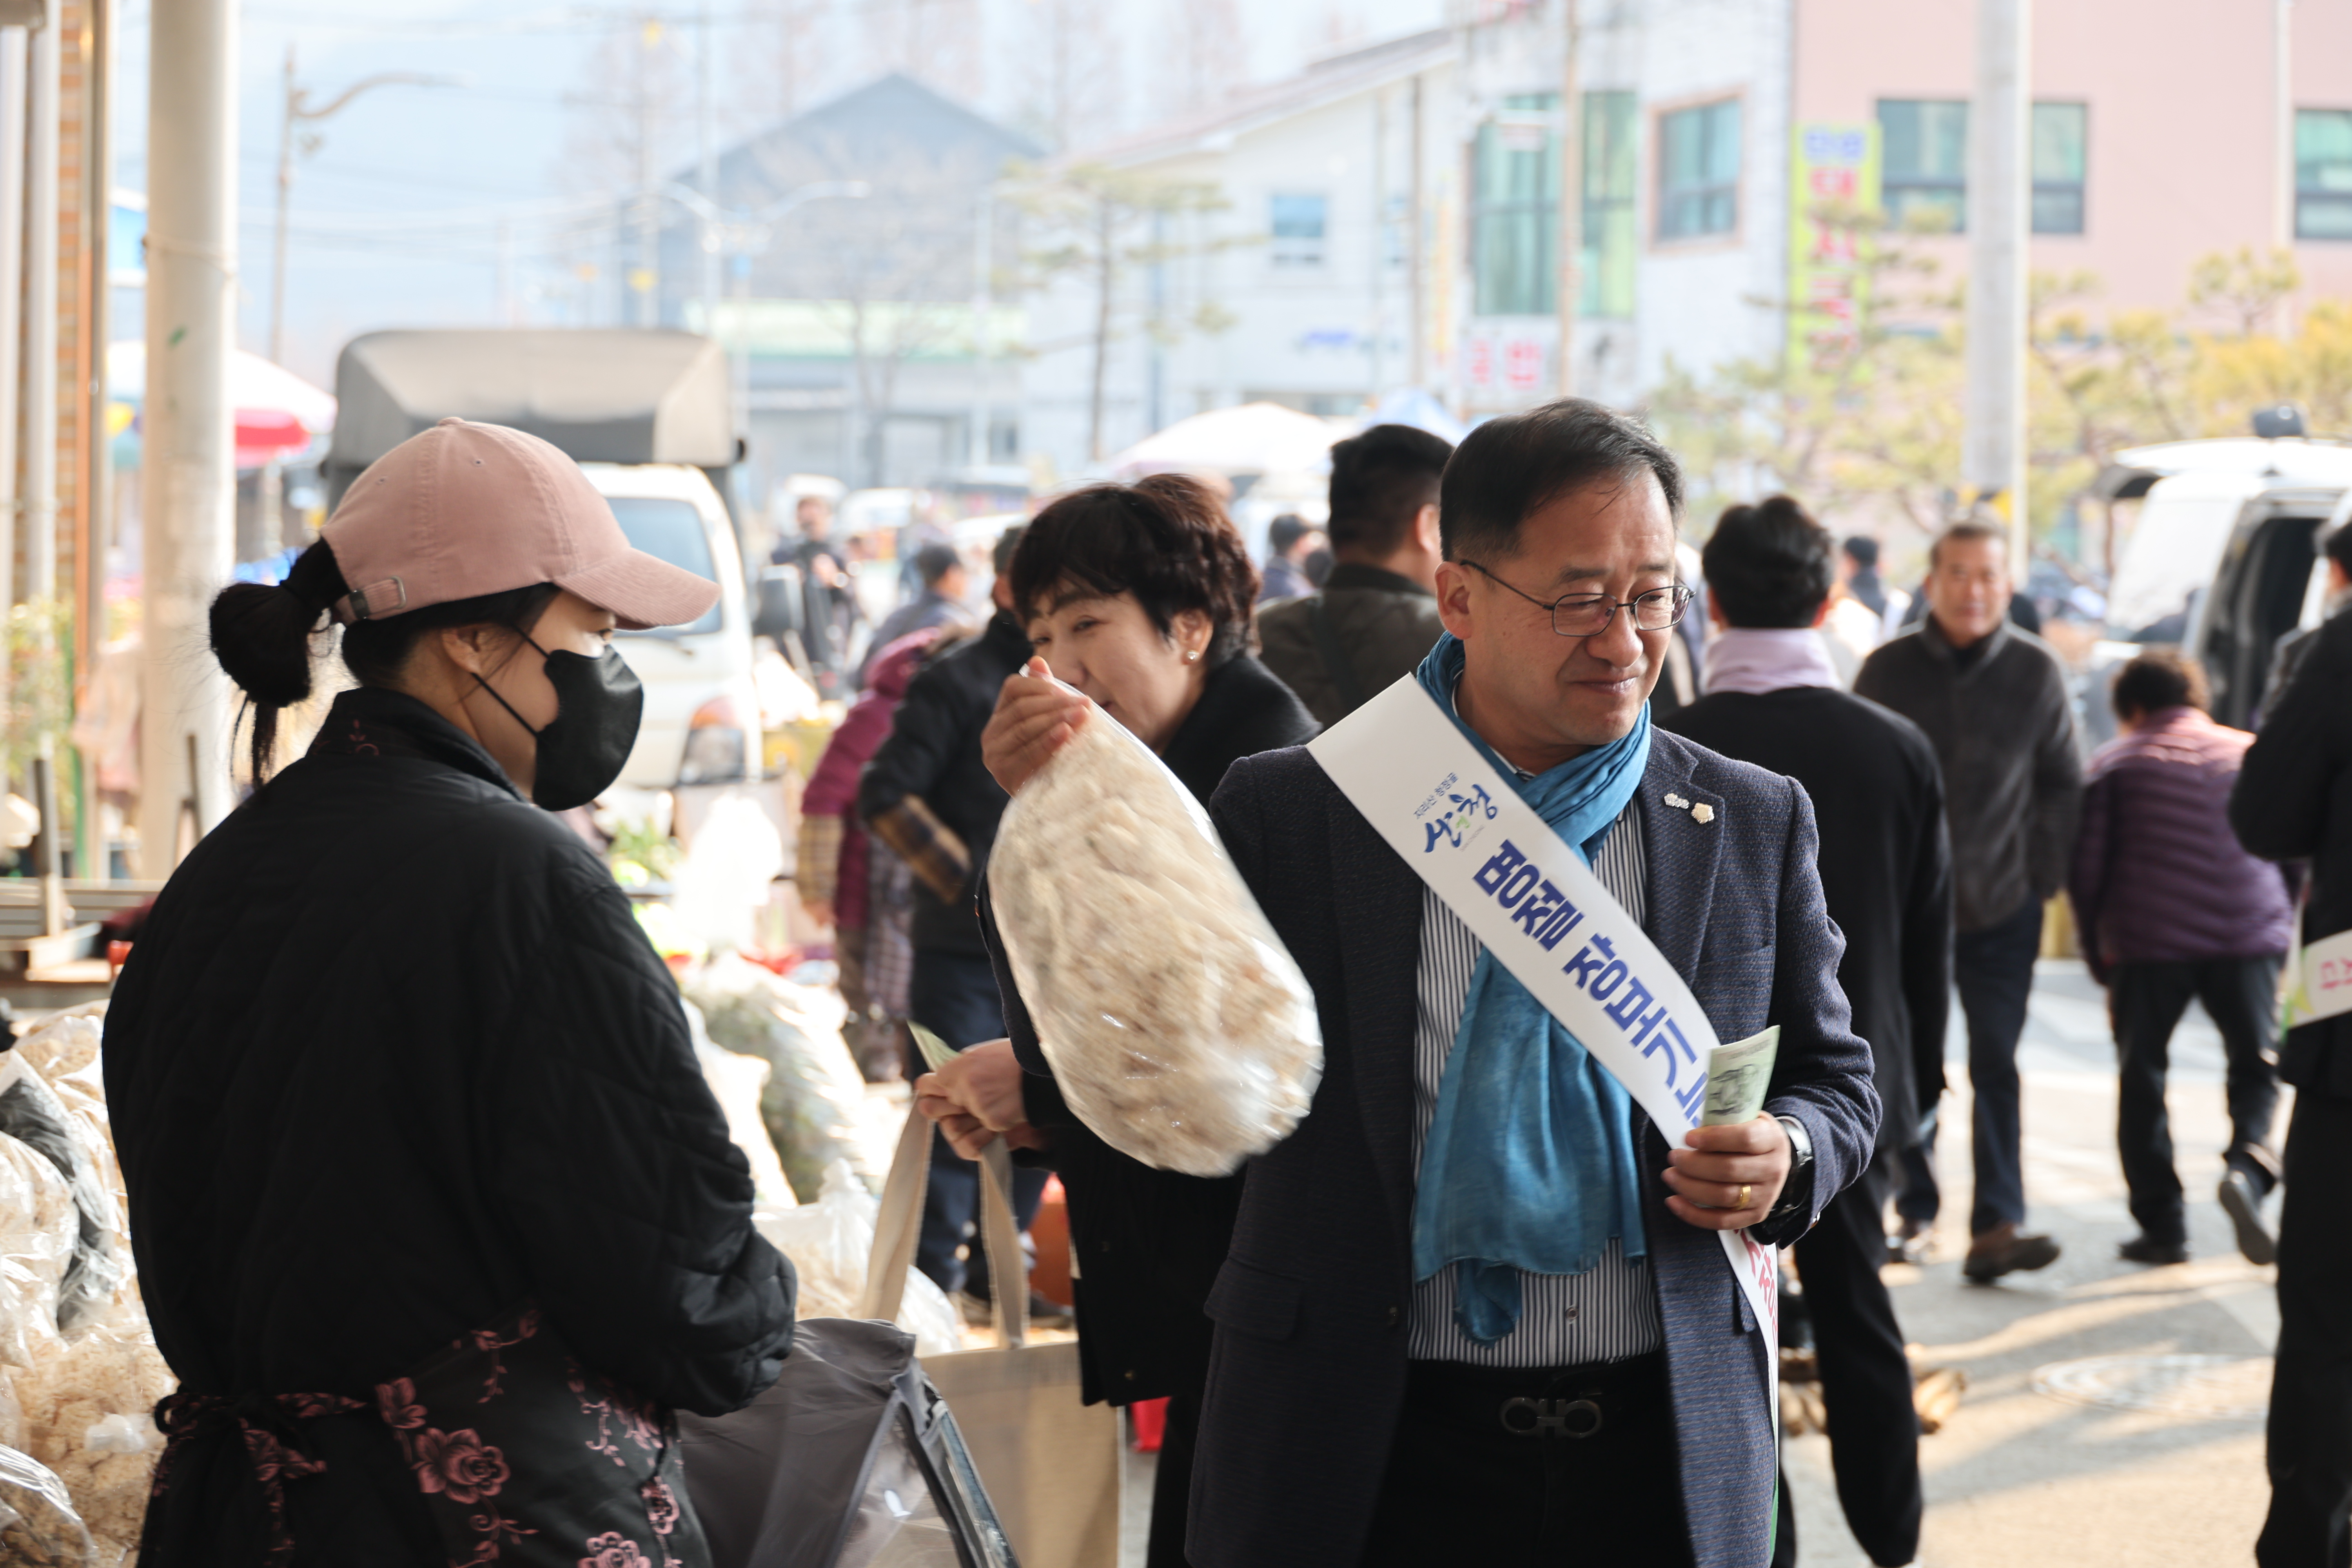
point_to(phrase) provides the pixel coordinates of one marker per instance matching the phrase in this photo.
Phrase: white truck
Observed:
(647, 415)
(2223, 560)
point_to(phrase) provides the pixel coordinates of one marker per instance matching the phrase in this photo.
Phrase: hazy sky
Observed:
(401, 214)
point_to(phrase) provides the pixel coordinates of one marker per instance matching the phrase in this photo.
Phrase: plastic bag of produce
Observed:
(86, 1412)
(39, 1526)
(38, 1229)
(61, 1043)
(1178, 1027)
(32, 1113)
(737, 1082)
(830, 1242)
(815, 1102)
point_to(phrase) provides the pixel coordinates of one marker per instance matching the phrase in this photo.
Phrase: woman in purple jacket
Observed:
(2170, 907)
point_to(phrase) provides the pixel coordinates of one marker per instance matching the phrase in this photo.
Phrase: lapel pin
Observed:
(1702, 812)
(1676, 801)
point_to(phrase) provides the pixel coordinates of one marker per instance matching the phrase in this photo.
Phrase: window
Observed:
(1515, 223)
(669, 531)
(2059, 135)
(1698, 171)
(1610, 172)
(1295, 225)
(1515, 209)
(1923, 163)
(2322, 174)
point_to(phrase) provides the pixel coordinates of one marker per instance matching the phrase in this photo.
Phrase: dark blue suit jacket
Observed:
(1308, 1370)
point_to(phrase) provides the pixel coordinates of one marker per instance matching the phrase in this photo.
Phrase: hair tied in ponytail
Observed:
(261, 636)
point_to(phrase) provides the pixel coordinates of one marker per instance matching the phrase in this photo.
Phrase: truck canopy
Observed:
(600, 395)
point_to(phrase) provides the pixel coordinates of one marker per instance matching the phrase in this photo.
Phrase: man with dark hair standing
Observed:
(1290, 539)
(2170, 906)
(1992, 700)
(828, 592)
(2336, 549)
(2292, 800)
(929, 796)
(1377, 615)
(1478, 1308)
(1878, 795)
(940, 604)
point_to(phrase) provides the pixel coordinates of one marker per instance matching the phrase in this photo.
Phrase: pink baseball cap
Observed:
(464, 510)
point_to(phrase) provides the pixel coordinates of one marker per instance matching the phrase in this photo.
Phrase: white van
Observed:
(702, 714)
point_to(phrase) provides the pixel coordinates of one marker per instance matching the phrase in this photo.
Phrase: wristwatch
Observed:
(1795, 1193)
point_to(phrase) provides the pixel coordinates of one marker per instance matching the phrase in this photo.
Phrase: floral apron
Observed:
(524, 1458)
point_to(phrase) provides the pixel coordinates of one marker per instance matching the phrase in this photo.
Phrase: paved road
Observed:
(2169, 1469)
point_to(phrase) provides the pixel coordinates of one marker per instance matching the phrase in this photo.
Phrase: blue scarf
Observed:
(1512, 1181)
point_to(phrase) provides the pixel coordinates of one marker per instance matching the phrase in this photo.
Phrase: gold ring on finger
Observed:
(1746, 1190)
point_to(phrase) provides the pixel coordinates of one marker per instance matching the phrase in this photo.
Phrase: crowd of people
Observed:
(1473, 1308)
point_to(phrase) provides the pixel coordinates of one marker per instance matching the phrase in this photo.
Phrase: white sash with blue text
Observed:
(1546, 918)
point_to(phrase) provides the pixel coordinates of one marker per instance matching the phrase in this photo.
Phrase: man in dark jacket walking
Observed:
(928, 795)
(2169, 907)
(829, 594)
(1887, 880)
(1992, 700)
(1377, 615)
(2294, 801)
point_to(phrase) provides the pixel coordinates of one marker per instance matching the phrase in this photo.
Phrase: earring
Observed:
(1192, 656)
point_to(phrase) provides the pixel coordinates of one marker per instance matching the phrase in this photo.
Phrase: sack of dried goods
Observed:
(1179, 1027)
(39, 1526)
(87, 1418)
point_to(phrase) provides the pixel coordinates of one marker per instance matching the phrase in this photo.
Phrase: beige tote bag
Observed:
(1050, 1465)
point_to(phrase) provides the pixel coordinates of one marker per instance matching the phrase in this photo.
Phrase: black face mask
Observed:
(598, 705)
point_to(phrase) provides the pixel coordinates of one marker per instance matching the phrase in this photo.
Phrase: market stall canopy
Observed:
(1254, 438)
(602, 395)
(278, 413)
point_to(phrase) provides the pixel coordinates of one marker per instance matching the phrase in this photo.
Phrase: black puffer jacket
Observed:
(933, 752)
(1382, 622)
(390, 1065)
(1148, 1242)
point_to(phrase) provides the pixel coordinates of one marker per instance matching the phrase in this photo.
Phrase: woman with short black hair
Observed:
(1139, 596)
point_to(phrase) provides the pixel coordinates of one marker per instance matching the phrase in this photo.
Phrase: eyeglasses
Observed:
(1588, 615)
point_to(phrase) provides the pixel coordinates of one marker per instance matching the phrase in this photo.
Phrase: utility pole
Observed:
(1380, 258)
(2282, 165)
(91, 858)
(189, 459)
(706, 148)
(984, 306)
(1415, 263)
(37, 438)
(15, 47)
(645, 279)
(297, 110)
(1572, 195)
(1993, 439)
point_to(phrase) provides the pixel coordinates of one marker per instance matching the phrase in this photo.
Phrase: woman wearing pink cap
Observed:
(435, 1217)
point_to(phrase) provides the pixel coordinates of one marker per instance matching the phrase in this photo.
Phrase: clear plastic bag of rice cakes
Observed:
(1178, 1026)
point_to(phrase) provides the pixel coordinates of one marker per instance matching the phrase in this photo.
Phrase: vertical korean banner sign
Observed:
(1832, 189)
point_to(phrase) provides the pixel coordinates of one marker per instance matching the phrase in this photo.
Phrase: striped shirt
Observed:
(1564, 1320)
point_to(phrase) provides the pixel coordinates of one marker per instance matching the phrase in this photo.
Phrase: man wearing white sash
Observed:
(1474, 1313)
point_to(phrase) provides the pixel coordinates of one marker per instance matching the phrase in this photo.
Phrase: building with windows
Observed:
(1392, 217)
(846, 263)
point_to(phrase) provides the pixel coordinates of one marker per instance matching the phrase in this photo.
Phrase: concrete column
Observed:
(2000, 220)
(190, 458)
(13, 49)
